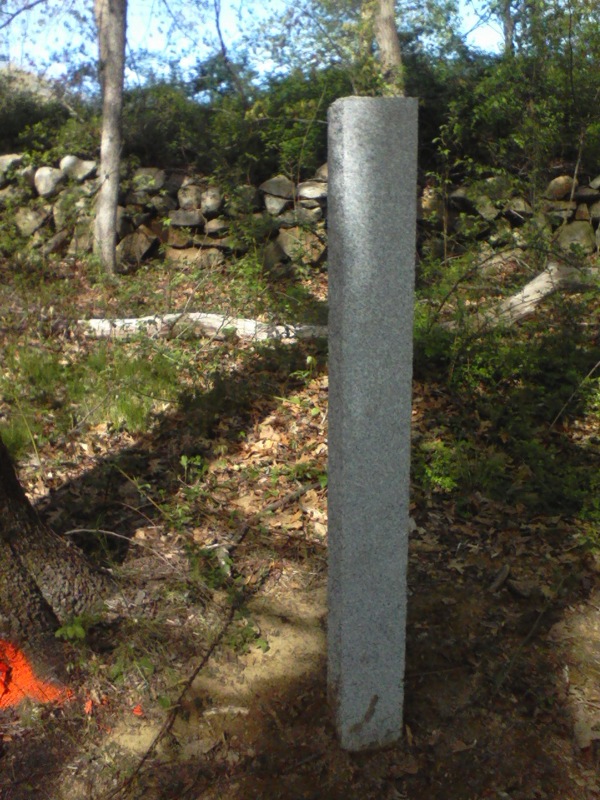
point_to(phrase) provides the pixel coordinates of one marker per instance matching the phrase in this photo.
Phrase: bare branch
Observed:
(11, 17)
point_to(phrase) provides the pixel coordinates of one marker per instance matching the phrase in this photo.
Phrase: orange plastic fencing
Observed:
(19, 682)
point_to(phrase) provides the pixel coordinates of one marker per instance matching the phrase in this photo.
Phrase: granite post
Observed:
(372, 221)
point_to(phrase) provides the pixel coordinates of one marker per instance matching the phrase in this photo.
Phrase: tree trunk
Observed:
(43, 579)
(111, 19)
(388, 43)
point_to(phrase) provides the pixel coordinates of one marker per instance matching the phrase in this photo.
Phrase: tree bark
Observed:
(44, 580)
(111, 21)
(379, 20)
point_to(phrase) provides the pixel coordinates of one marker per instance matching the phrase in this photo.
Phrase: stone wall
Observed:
(182, 216)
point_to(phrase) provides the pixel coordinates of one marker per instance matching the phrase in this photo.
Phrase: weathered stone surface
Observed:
(163, 203)
(174, 181)
(68, 206)
(301, 245)
(124, 223)
(187, 218)
(582, 212)
(595, 184)
(300, 216)
(274, 259)
(217, 226)
(190, 197)
(8, 162)
(275, 205)
(279, 186)
(77, 168)
(559, 210)
(136, 246)
(518, 210)
(485, 208)
(312, 190)
(209, 257)
(372, 154)
(83, 237)
(322, 173)
(577, 234)
(12, 195)
(498, 187)
(149, 179)
(585, 194)
(48, 181)
(595, 212)
(461, 200)
(211, 201)
(56, 243)
(29, 220)
(560, 187)
(179, 238)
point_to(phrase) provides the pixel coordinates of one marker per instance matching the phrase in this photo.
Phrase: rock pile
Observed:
(188, 215)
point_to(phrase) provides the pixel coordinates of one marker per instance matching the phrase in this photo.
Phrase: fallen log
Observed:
(557, 275)
(198, 324)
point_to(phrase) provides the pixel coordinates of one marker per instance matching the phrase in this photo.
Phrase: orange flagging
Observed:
(18, 680)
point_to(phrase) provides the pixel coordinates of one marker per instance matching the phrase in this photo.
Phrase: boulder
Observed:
(312, 190)
(577, 234)
(279, 186)
(190, 197)
(77, 168)
(187, 218)
(275, 205)
(322, 173)
(83, 237)
(149, 179)
(8, 162)
(68, 206)
(48, 180)
(301, 246)
(216, 227)
(560, 187)
(136, 246)
(300, 216)
(29, 220)
(211, 202)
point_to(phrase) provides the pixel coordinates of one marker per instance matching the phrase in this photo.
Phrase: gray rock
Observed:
(595, 184)
(312, 190)
(174, 182)
(29, 220)
(586, 194)
(77, 168)
(245, 200)
(274, 259)
(124, 223)
(595, 212)
(149, 179)
(56, 243)
(211, 201)
(518, 210)
(7, 162)
(583, 212)
(300, 216)
(83, 237)
(163, 203)
(560, 187)
(187, 218)
(558, 210)
(275, 205)
(136, 246)
(301, 245)
(12, 196)
(68, 207)
(190, 197)
(48, 181)
(217, 226)
(322, 174)
(485, 208)
(279, 186)
(498, 187)
(577, 234)
(179, 238)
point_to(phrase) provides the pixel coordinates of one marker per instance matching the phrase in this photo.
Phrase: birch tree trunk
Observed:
(111, 21)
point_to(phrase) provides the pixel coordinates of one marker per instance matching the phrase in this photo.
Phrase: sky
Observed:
(29, 42)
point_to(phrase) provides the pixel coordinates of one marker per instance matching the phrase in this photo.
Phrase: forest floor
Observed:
(205, 675)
